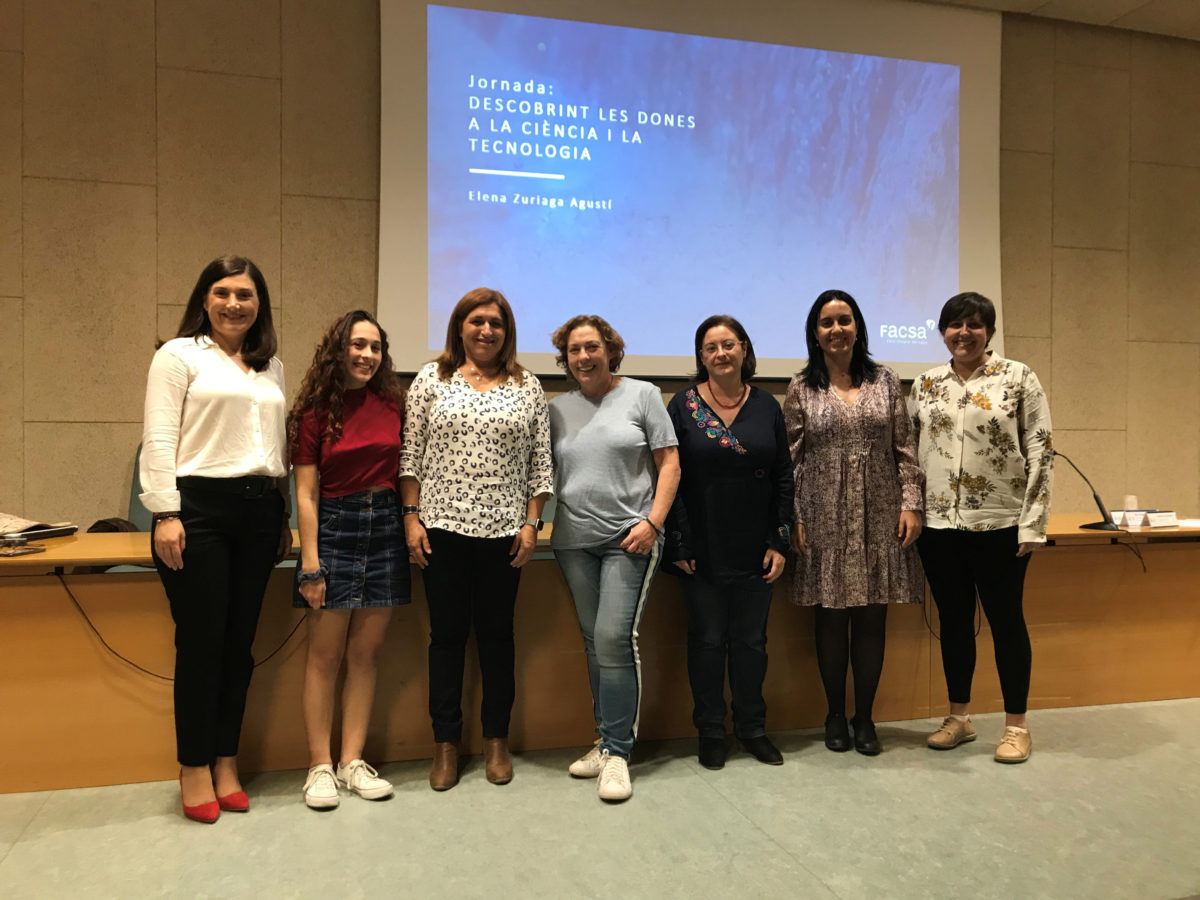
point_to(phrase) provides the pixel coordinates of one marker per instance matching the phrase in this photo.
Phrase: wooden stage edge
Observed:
(1103, 631)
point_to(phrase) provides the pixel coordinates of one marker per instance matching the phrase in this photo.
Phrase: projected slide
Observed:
(656, 178)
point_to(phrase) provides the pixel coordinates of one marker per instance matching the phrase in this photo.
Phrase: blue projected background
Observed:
(690, 175)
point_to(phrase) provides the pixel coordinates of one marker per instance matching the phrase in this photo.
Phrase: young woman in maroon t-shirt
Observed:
(344, 432)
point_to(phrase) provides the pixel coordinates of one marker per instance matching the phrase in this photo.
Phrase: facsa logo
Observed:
(907, 332)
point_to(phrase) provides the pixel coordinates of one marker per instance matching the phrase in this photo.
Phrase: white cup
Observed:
(1131, 501)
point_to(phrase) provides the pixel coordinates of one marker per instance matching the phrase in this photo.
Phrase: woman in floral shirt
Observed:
(983, 428)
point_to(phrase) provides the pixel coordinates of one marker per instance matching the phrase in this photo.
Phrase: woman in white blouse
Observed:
(475, 473)
(985, 447)
(214, 474)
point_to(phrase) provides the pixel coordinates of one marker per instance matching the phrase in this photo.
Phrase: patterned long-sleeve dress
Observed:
(855, 468)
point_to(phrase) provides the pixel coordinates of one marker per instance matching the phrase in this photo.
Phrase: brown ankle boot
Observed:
(497, 762)
(443, 774)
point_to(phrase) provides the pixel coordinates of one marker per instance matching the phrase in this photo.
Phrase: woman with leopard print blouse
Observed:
(475, 473)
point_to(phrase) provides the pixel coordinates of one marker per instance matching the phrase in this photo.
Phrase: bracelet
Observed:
(308, 577)
(163, 516)
(657, 530)
(410, 510)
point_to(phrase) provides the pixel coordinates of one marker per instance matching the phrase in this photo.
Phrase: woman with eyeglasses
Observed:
(728, 534)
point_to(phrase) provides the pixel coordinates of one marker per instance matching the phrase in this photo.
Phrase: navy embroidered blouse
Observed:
(735, 497)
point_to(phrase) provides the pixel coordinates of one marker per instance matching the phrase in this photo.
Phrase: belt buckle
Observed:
(253, 489)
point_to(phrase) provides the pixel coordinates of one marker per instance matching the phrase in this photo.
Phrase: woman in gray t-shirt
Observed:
(616, 471)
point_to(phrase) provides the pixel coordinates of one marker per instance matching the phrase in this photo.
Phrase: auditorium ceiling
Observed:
(1177, 18)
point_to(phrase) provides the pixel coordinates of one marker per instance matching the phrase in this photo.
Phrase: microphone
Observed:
(1108, 524)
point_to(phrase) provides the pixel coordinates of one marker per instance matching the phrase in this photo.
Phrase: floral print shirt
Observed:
(985, 447)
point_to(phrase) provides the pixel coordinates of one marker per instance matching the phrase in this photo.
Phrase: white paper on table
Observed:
(1131, 518)
(1162, 518)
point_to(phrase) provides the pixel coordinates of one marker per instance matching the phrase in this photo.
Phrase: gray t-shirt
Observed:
(604, 471)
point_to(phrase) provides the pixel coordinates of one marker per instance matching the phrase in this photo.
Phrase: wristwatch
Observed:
(537, 524)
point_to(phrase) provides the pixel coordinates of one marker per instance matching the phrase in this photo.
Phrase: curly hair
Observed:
(613, 342)
(324, 383)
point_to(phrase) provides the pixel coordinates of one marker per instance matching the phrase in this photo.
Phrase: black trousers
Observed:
(469, 582)
(230, 545)
(727, 622)
(959, 564)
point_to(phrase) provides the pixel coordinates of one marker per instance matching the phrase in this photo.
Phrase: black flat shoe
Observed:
(866, 741)
(837, 733)
(711, 752)
(763, 750)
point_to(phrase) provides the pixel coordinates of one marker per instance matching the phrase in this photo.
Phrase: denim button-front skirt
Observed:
(361, 544)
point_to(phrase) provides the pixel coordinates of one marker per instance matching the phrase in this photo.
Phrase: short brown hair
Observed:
(613, 342)
(454, 355)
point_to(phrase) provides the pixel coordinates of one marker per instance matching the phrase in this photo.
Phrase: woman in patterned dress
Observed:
(986, 449)
(729, 534)
(858, 508)
(475, 473)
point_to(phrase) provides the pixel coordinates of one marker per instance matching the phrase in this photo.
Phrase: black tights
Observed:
(958, 565)
(851, 637)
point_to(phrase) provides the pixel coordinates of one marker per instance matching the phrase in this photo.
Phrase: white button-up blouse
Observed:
(205, 416)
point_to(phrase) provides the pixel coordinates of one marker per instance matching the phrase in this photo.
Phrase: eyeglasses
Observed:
(712, 349)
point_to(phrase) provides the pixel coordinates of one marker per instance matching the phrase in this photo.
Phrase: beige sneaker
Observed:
(1015, 746)
(357, 776)
(952, 733)
(590, 765)
(613, 784)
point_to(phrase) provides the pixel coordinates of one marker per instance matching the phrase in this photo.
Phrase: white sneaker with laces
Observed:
(613, 784)
(589, 765)
(320, 788)
(357, 776)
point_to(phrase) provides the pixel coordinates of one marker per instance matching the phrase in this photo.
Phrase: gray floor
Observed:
(1107, 807)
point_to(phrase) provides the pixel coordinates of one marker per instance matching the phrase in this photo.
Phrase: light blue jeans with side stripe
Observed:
(609, 587)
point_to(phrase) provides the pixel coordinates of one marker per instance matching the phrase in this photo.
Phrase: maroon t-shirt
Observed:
(368, 453)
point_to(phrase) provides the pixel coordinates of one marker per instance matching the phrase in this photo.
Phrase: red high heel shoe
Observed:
(235, 802)
(201, 812)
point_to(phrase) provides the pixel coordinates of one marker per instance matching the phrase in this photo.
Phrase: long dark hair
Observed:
(749, 362)
(324, 385)
(260, 343)
(454, 355)
(862, 367)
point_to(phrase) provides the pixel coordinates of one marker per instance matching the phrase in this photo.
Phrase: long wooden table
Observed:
(1103, 632)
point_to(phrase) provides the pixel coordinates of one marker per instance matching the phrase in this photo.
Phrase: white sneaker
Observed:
(357, 776)
(613, 784)
(589, 765)
(320, 788)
